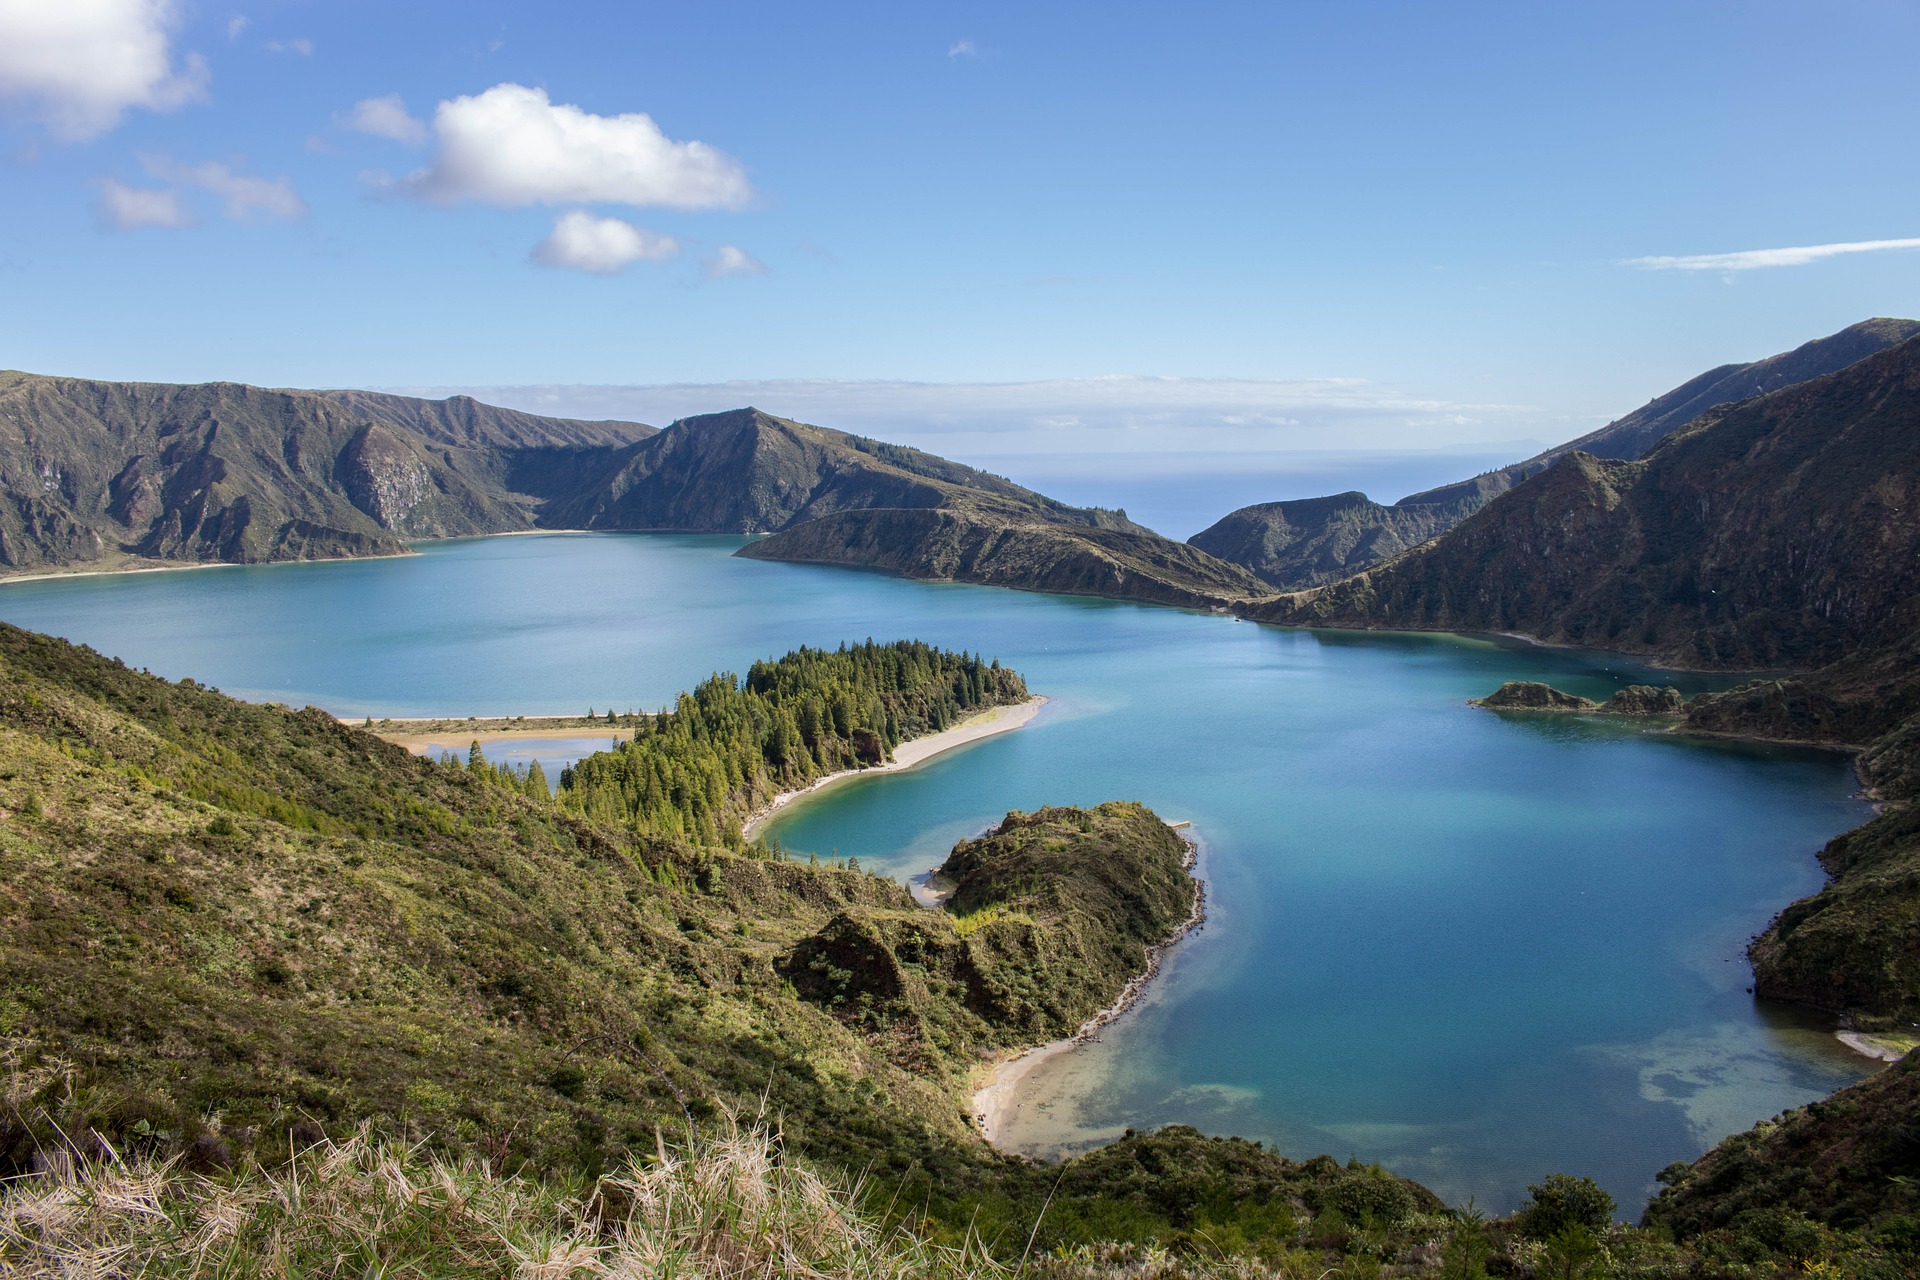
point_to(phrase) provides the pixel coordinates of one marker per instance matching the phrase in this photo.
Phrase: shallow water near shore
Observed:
(1476, 947)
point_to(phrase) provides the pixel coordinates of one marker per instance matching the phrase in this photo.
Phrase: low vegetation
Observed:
(278, 998)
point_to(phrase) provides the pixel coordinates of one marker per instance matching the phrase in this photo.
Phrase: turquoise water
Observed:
(1477, 948)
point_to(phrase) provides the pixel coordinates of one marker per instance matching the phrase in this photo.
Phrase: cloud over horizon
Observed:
(511, 146)
(1755, 259)
(83, 63)
(601, 246)
(1117, 414)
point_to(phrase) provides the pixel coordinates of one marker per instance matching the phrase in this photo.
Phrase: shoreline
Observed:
(906, 755)
(994, 1102)
(1882, 1049)
(416, 742)
(182, 566)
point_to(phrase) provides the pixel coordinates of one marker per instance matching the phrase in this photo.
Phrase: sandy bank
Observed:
(418, 742)
(995, 1103)
(1889, 1048)
(908, 754)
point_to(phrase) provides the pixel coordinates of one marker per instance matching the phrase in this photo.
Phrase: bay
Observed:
(1477, 948)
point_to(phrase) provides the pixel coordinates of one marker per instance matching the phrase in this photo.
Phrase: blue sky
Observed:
(1230, 227)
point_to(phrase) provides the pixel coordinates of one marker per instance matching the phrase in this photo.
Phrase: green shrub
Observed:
(1561, 1201)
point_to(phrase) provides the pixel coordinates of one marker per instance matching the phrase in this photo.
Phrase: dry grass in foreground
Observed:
(730, 1207)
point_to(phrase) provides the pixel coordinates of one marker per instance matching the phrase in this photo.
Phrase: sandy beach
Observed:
(995, 1102)
(910, 753)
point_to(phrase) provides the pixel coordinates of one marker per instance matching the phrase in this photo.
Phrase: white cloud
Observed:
(511, 146)
(730, 261)
(236, 24)
(247, 198)
(1752, 259)
(82, 63)
(386, 118)
(603, 246)
(124, 208)
(963, 48)
(299, 44)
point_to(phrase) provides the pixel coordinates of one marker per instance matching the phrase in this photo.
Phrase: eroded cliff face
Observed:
(385, 479)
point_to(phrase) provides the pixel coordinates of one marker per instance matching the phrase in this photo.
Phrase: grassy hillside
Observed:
(1312, 541)
(225, 928)
(234, 934)
(1848, 1163)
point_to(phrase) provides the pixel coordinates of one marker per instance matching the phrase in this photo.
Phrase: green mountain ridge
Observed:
(111, 475)
(1309, 542)
(1776, 532)
(995, 549)
(106, 473)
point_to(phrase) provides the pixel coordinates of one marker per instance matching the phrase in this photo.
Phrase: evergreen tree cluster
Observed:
(700, 768)
(530, 780)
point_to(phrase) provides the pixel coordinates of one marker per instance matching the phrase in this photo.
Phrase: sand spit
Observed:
(420, 742)
(908, 754)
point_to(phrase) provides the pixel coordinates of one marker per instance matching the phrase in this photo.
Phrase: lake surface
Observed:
(1477, 948)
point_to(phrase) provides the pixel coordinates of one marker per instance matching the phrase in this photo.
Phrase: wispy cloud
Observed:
(1117, 414)
(1754, 259)
(235, 25)
(300, 45)
(386, 117)
(730, 262)
(963, 48)
(246, 197)
(124, 208)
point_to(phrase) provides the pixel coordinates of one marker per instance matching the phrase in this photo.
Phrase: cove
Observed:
(1476, 948)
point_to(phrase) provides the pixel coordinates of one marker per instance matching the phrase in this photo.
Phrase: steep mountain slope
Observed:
(1312, 541)
(1777, 532)
(103, 471)
(1030, 554)
(744, 471)
(834, 498)
(109, 474)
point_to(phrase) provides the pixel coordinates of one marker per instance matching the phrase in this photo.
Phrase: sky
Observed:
(1002, 231)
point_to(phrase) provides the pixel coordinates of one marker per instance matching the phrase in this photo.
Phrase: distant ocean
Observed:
(1179, 494)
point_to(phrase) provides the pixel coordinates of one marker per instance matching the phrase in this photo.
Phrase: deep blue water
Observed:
(1479, 948)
